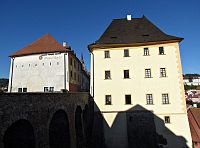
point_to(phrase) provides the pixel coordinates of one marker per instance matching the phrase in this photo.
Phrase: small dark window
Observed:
(162, 72)
(146, 51)
(167, 119)
(46, 89)
(51, 89)
(22, 65)
(29, 65)
(43, 64)
(107, 74)
(71, 74)
(57, 63)
(126, 53)
(161, 50)
(147, 73)
(19, 89)
(126, 74)
(70, 61)
(149, 98)
(24, 89)
(127, 99)
(35, 64)
(108, 100)
(107, 54)
(50, 63)
(165, 99)
(74, 63)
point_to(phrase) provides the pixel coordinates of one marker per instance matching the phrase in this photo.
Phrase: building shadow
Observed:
(133, 128)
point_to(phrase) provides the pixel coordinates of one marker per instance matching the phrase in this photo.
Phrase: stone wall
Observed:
(38, 109)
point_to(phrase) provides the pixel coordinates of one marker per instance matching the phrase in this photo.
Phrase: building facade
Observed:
(137, 85)
(46, 66)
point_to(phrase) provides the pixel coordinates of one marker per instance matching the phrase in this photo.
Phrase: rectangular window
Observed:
(146, 51)
(71, 74)
(161, 51)
(107, 74)
(147, 73)
(75, 64)
(126, 53)
(19, 89)
(108, 100)
(163, 72)
(165, 99)
(46, 89)
(126, 74)
(24, 89)
(51, 89)
(127, 99)
(149, 98)
(71, 61)
(167, 119)
(107, 54)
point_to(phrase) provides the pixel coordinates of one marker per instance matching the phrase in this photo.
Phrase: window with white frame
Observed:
(163, 72)
(149, 98)
(146, 51)
(107, 54)
(165, 98)
(148, 73)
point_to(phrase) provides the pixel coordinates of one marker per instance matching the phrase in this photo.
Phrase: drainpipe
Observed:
(93, 73)
(11, 76)
(65, 72)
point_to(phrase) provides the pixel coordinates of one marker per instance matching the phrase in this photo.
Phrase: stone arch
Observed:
(79, 127)
(59, 134)
(19, 135)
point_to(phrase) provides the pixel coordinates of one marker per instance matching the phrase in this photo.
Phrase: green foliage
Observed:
(3, 82)
(188, 87)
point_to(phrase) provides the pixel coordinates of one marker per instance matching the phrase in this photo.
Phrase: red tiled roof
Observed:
(196, 114)
(194, 135)
(45, 44)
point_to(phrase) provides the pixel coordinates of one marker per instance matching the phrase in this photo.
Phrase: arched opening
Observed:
(19, 135)
(79, 128)
(59, 136)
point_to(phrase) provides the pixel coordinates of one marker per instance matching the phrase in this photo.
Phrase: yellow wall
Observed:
(138, 86)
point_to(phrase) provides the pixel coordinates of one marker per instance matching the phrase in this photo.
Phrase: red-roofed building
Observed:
(194, 121)
(47, 66)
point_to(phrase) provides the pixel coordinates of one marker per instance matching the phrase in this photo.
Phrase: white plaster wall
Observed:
(35, 73)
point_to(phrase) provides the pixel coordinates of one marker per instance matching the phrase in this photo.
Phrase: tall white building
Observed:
(47, 66)
(137, 85)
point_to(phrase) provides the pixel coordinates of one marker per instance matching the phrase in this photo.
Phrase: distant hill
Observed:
(3, 84)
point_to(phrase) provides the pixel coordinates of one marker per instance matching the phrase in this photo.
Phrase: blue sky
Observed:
(82, 22)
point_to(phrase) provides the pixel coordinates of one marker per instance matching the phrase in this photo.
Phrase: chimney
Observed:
(128, 17)
(64, 44)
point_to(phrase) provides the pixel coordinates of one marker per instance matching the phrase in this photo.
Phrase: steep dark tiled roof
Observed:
(45, 44)
(136, 30)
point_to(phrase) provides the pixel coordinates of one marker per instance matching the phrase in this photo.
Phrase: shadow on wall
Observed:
(134, 128)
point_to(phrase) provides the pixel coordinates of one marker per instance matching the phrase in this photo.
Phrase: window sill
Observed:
(107, 58)
(127, 78)
(126, 56)
(166, 103)
(161, 54)
(150, 104)
(146, 55)
(107, 79)
(128, 104)
(163, 77)
(148, 77)
(108, 104)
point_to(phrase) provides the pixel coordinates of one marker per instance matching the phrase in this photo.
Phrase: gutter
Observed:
(11, 78)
